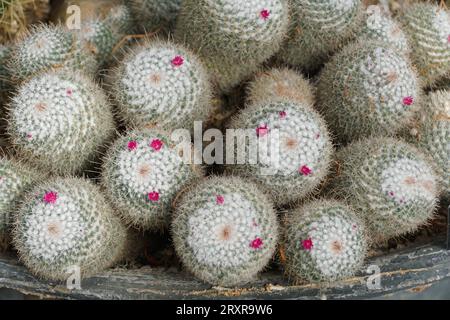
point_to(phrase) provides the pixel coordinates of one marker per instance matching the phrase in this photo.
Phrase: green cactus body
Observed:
(121, 21)
(391, 184)
(65, 223)
(49, 47)
(233, 37)
(59, 120)
(162, 84)
(319, 29)
(368, 89)
(142, 174)
(324, 241)
(303, 144)
(428, 29)
(5, 54)
(155, 15)
(224, 230)
(431, 133)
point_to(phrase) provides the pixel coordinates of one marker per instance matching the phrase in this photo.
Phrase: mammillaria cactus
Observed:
(368, 89)
(233, 37)
(225, 230)
(391, 184)
(163, 84)
(5, 54)
(66, 222)
(324, 241)
(428, 28)
(15, 180)
(48, 47)
(155, 15)
(320, 28)
(142, 174)
(303, 145)
(59, 120)
(431, 133)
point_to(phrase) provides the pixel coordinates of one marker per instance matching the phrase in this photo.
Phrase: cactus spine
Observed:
(155, 15)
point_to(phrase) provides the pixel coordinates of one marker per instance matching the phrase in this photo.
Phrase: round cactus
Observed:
(368, 89)
(59, 120)
(232, 37)
(391, 184)
(224, 230)
(324, 241)
(142, 174)
(281, 83)
(431, 133)
(64, 223)
(155, 15)
(15, 180)
(163, 84)
(428, 28)
(320, 28)
(303, 145)
(49, 47)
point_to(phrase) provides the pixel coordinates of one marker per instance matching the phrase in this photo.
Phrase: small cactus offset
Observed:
(324, 241)
(319, 29)
(58, 121)
(303, 145)
(391, 184)
(66, 223)
(155, 15)
(48, 47)
(428, 29)
(368, 89)
(142, 174)
(225, 230)
(233, 37)
(162, 84)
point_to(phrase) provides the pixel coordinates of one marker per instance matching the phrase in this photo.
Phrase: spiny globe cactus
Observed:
(155, 15)
(67, 222)
(391, 184)
(48, 47)
(368, 89)
(319, 29)
(324, 241)
(302, 143)
(225, 230)
(15, 180)
(428, 28)
(142, 174)
(59, 120)
(160, 83)
(233, 37)
(431, 133)
(281, 83)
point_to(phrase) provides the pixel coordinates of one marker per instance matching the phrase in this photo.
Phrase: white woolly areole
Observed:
(221, 235)
(329, 14)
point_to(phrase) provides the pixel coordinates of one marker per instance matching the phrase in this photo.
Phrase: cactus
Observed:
(324, 241)
(65, 223)
(155, 15)
(59, 120)
(391, 184)
(225, 230)
(368, 89)
(232, 37)
(281, 83)
(303, 144)
(49, 47)
(15, 180)
(430, 132)
(319, 29)
(142, 174)
(163, 84)
(428, 29)
(5, 55)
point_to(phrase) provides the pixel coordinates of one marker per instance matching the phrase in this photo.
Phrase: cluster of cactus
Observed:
(155, 15)
(233, 37)
(225, 230)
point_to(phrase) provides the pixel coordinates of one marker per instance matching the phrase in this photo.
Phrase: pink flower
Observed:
(69, 92)
(29, 136)
(153, 196)
(256, 244)
(262, 131)
(156, 144)
(283, 114)
(50, 197)
(265, 14)
(391, 193)
(220, 200)
(448, 38)
(307, 244)
(407, 101)
(305, 170)
(177, 61)
(132, 145)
